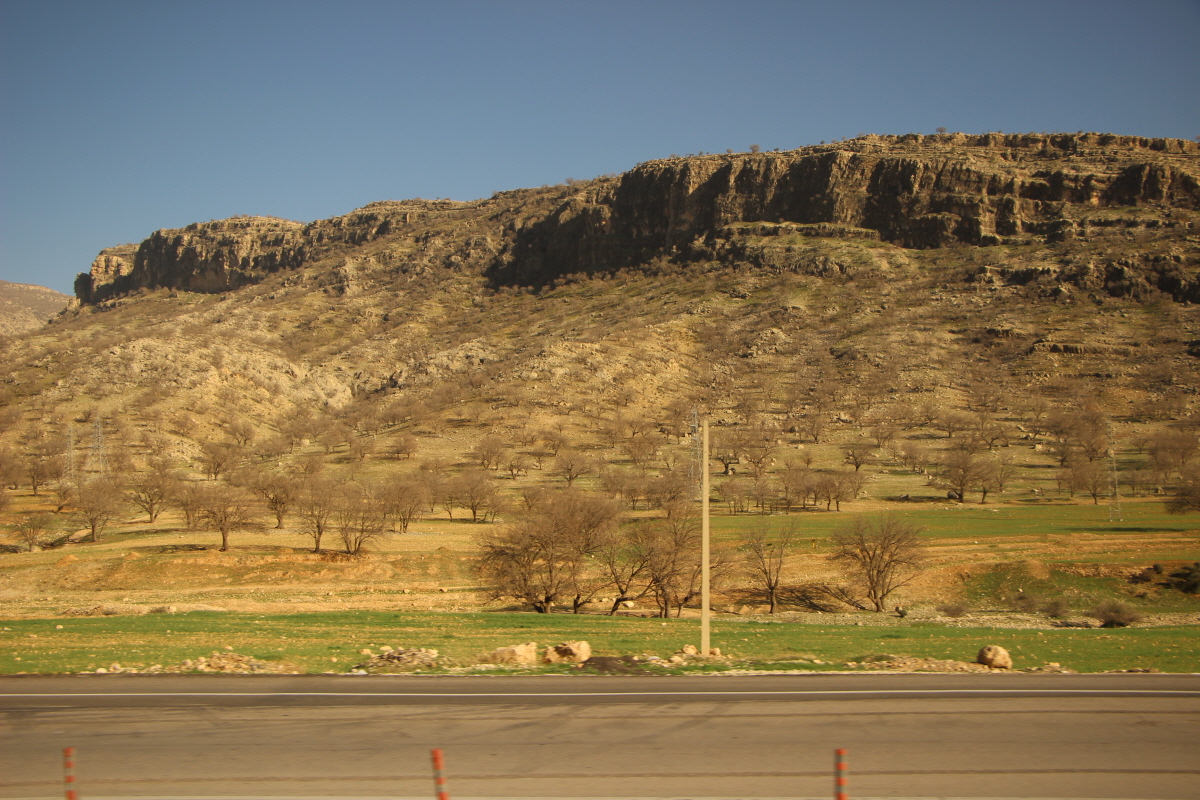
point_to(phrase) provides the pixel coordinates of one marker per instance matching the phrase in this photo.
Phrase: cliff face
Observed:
(913, 191)
(918, 192)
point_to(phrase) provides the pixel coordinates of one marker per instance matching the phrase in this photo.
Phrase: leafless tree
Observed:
(317, 500)
(517, 464)
(766, 552)
(490, 452)
(41, 468)
(477, 492)
(951, 422)
(97, 501)
(217, 458)
(405, 445)
(31, 528)
(673, 558)
(228, 509)
(151, 490)
(277, 490)
(758, 448)
(858, 453)
(361, 517)
(545, 559)
(572, 465)
(1091, 477)
(882, 554)
(189, 497)
(959, 471)
(1187, 496)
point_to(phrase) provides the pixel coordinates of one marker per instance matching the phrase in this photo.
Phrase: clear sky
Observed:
(119, 117)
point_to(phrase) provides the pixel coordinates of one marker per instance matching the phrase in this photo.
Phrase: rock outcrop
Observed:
(915, 191)
(758, 210)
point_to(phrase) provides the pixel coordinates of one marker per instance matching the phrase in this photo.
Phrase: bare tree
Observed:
(42, 467)
(959, 472)
(277, 490)
(361, 517)
(766, 551)
(98, 501)
(1091, 477)
(476, 491)
(316, 503)
(623, 563)
(404, 499)
(217, 458)
(151, 490)
(673, 559)
(1187, 497)
(490, 452)
(572, 464)
(545, 559)
(405, 445)
(883, 555)
(228, 509)
(858, 453)
(189, 497)
(31, 528)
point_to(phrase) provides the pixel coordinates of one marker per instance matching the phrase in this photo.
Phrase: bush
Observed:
(1028, 603)
(1187, 579)
(953, 610)
(1056, 608)
(1115, 614)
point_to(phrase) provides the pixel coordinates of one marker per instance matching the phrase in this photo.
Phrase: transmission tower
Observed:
(70, 453)
(98, 457)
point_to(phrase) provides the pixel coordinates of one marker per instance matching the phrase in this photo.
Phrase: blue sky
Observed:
(121, 117)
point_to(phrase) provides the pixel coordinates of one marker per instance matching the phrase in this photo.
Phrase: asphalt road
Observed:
(976, 736)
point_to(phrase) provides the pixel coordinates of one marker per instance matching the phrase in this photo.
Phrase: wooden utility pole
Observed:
(705, 612)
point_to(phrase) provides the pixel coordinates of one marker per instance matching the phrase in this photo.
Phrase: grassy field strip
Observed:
(331, 642)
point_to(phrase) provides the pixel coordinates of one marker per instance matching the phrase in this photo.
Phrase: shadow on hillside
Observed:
(1127, 529)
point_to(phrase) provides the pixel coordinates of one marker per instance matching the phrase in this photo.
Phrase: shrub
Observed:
(1114, 614)
(1187, 579)
(1056, 608)
(953, 610)
(1028, 603)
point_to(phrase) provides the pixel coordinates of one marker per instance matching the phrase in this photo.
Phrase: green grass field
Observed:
(332, 641)
(974, 521)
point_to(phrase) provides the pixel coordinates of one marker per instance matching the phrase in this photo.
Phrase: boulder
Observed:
(689, 650)
(526, 653)
(568, 653)
(995, 657)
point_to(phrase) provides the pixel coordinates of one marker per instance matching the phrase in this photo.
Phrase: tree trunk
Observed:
(224, 540)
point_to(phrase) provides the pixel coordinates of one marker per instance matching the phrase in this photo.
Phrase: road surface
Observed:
(961, 736)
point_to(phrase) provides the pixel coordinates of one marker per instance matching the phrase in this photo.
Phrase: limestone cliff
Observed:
(1094, 192)
(914, 191)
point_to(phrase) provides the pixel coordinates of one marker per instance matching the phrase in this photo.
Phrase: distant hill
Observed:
(24, 307)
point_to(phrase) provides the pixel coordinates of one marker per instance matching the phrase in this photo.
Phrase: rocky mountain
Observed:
(24, 307)
(918, 192)
(876, 278)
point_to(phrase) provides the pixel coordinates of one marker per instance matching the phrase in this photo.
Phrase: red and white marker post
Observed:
(69, 773)
(839, 772)
(439, 780)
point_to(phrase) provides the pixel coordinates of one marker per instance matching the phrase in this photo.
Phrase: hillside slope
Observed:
(24, 307)
(893, 322)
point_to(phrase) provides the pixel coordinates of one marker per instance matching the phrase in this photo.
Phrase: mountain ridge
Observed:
(914, 191)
